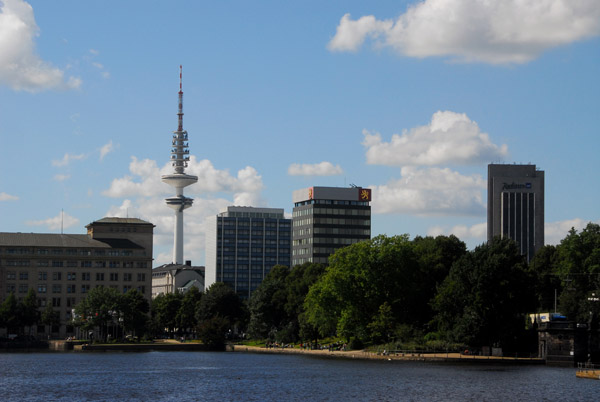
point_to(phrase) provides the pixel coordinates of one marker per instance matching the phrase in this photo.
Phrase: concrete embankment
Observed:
(367, 355)
(142, 347)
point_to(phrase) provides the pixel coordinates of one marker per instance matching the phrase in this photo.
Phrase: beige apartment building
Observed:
(62, 268)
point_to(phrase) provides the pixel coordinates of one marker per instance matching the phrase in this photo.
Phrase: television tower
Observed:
(178, 179)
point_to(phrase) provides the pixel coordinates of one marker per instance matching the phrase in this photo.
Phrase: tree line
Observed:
(429, 291)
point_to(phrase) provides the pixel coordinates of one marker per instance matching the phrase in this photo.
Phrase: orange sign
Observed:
(310, 193)
(364, 194)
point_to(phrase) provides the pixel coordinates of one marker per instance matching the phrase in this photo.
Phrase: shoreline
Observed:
(366, 355)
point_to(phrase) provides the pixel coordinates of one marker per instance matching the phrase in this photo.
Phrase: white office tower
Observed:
(178, 179)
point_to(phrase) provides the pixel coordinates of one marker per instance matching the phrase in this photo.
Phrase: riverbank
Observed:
(367, 355)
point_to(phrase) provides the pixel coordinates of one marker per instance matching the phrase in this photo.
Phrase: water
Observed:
(198, 376)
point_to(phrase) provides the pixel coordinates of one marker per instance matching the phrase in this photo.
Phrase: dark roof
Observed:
(171, 267)
(120, 243)
(121, 220)
(49, 240)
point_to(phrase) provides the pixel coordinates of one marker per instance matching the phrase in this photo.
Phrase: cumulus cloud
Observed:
(66, 159)
(143, 196)
(62, 220)
(554, 232)
(430, 192)
(20, 66)
(476, 232)
(450, 138)
(315, 169)
(106, 149)
(7, 197)
(495, 32)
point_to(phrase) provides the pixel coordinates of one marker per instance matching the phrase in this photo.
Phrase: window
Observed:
(126, 288)
(23, 276)
(41, 288)
(71, 276)
(113, 264)
(70, 288)
(86, 264)
(113, 253)
(42, 276)
(43, 263)
(11, 275)
(127, 277)
(71, 264)
(56, 302)
(141, 277)
(41, 302)
(100, 264)
(141, 289)
(99, 276)
(56, 276)
(57, 264)
(23, 288)
(114, 276)
(70, 302)
(85, 276)
(142, 265)
(56, 288)
(85, 288)
(10, 288)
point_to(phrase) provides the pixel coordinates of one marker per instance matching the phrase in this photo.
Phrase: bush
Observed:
(356, 344)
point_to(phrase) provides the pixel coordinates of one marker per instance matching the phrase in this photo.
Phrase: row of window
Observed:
(341, 221)
(246, 232)
(259, 224)
(268, 242)
(259, 250)
(331, 202)
(70, 289)
(69, 251)
(74, 264)
(331, 211)
(72, 276)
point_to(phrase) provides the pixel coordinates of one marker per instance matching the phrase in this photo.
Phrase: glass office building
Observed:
(244, 244)
(516, 205)
(328, 218)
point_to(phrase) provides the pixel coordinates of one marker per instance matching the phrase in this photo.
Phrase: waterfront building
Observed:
(63, 268)
(179, 179)
(171, 278)
(328, 218)
(243, 244)
(516, 205)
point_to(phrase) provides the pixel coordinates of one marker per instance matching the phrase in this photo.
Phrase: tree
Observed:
(360, 279)
(186, 316)
(135, 308)
(486, 296)
(267, 304)
(9, 314)
(28, 310)
(164, 311)
(97, 309)
(578, 264)
(546, 279)
(50, 317)
(220, 310)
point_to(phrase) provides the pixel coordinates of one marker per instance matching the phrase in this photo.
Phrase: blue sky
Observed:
(412, 99)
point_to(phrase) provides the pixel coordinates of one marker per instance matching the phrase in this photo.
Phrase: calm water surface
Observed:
(197, 376)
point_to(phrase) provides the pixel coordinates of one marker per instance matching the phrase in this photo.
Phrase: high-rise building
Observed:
(328, 218)
(179, 179)
(63, 268)
(243, 244)
(516, 205)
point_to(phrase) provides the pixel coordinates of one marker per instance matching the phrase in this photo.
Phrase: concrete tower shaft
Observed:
(179, 179)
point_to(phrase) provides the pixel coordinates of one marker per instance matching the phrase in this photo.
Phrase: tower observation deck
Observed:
(179, 179)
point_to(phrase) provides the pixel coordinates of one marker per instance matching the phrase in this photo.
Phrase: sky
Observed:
(411, 99)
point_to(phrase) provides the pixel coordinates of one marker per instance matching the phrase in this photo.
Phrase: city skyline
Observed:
(284, 96)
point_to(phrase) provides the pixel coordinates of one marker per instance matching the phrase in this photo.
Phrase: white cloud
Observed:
(20, 66)
(476, 232)
(144, 195)
(554, 232)
(450, 138)
(62, 177)
(7, 197)
(315, 169)
(428, 192)
(62, 220)
(495, 32)
(106, 149)
(67, 158)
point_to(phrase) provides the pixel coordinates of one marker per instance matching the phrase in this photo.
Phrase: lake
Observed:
(196, 376)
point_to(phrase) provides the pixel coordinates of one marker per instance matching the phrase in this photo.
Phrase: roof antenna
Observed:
(62, 219)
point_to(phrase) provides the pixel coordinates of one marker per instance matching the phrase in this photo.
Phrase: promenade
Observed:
(367, 355)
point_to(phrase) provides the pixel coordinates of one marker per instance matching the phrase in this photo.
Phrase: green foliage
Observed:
(212, 331)
(49, 316)
(134, 312)
(267, 304)
(578, 265)
(186, 315)
(164, 311)
(544, 270)
(30, 315)
(221, 301)
(10, 317)
(484, 299)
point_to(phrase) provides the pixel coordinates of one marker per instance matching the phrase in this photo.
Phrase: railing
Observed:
(588, 367)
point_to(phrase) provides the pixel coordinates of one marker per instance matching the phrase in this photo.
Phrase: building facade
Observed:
(62, 268)
(243, 244)
(171, 278)
(328, 218)
(516, 205)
